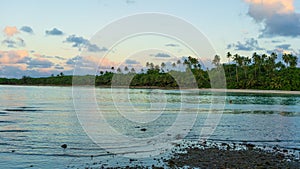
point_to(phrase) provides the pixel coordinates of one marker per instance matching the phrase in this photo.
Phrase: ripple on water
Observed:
(14, 131)
(6, 121)
(21, 110)
(2, 113)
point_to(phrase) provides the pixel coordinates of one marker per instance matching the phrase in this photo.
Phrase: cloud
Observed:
(15, 71)
(284, 46)
(84, 65)
(13, 42)
(39, 63)
(90, 62)
(131, 62)
(277, 16)
(249, 45)
(10, 31)
(27, 29)
(11, 71)
(172, 45)
(81, 43)
(95, 48)
(276, 41)
(161, 55)
(54, 32)
(22, 59)
(59, 67)
(72, 61)
(13, 56)
(10, 41)
(50, 57)
(18, 63)
(130, 1)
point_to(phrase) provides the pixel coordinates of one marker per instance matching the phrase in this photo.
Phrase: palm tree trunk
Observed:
(237, 76)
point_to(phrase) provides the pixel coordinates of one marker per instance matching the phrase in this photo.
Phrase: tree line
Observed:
(259, 71)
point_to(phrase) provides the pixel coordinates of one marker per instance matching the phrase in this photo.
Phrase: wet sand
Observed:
(254, 91)
(226, 155)
(215, 158)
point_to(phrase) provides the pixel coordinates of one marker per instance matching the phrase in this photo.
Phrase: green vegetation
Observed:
(255, 72)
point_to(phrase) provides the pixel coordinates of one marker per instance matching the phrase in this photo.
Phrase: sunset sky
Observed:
(40, 38)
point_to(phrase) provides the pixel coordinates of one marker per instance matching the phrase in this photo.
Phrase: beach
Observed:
(222, 155)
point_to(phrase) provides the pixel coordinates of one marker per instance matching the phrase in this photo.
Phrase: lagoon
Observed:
(36, 120)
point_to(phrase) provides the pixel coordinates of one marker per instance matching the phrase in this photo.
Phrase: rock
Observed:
(64, 146)
(250, 146)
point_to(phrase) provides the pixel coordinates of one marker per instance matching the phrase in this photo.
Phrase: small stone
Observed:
(64, 146)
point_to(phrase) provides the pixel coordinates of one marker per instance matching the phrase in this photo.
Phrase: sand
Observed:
(225, 155)
(252, 91)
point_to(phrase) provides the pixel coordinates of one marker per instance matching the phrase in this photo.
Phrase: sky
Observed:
(40, 38)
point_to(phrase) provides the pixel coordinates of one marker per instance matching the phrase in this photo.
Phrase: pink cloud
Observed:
(10, 30)
(274, 16)
(13, 56)
(103, 62)
(274, 6)
(263, 9)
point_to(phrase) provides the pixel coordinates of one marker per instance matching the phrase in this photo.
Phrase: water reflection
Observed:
(35, 121)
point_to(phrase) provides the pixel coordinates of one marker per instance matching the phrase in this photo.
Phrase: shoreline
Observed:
(253, 91)
(216, 155)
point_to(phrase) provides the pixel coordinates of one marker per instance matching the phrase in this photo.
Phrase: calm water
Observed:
(36, 121)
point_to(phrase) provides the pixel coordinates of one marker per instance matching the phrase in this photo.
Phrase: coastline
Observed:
(253, 91)
(216, 155)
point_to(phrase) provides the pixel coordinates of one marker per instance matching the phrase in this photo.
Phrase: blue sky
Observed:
(40, 38)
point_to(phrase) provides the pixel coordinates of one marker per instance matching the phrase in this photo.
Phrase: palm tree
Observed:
(256, 62)
(186, 63)
(163, 65)
(229, 56)
(271, 62)
(237, 60)
(216, 60)
(286, 58)
(132, 70)
(280, 65)
(126, 69)
(151, 66)
(246, 62)
(119, 70)
(174, 65)
(193, 62)
(293, 61)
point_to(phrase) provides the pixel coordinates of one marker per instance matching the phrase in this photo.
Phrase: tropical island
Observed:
(264, 72)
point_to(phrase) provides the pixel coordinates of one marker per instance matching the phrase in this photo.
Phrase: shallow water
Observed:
(36, 121)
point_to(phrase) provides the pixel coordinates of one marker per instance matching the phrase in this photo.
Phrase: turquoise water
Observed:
(36, 121)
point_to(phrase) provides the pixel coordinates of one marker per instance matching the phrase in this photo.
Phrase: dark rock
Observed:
(250, 146)
(64, 146)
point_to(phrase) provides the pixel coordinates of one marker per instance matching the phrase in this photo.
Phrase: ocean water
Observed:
(112, 127)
